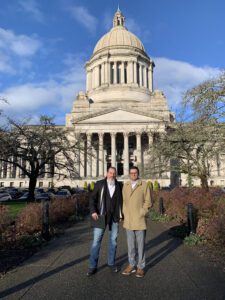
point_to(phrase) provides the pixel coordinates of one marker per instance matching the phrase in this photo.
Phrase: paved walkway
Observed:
(59, 271)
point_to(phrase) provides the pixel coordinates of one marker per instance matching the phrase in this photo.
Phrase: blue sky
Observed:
(45, 44)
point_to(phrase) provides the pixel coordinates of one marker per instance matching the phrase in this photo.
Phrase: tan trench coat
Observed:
(136, 204)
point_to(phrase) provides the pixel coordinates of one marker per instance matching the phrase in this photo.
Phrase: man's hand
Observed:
(94, 216)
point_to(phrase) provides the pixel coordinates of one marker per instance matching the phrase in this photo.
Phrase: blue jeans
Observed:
(96, 244)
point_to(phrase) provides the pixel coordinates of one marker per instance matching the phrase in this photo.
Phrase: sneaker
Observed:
(140, 273)
(129, 270)
(91, 272)
(114, 269)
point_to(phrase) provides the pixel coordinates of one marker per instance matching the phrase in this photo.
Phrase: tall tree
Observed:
(206, 101)
(40, 149)
(193, 147)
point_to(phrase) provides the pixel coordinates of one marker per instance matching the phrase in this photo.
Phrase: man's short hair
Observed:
(134, 168)
(111, 168)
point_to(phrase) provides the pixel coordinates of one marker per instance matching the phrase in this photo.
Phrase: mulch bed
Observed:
(214, 254)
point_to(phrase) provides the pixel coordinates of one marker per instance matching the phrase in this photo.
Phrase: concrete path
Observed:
(59, 270)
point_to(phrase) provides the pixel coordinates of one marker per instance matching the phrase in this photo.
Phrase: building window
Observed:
(118, 68)
(11, 184)
(40, 184)
(100, 75)
(138, 77)
(125, 72)
(1, 184)
(21, 184)
(111, 73)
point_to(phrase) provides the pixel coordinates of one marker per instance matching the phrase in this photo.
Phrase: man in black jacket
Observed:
(105, 210)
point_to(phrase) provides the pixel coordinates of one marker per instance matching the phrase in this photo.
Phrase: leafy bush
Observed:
(209, 207)
(156, 186)
(5, 218)
(29, 220)
(92, 186)
(61, 209)
(150, 184)
(194, 239)
(85, 186)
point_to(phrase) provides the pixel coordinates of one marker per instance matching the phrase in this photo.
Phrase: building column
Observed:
(126, 154)
(115, 72)
(150, 140)
(96, 76)
(150, 78)
(88, 82)
(122, 71)
(113, 149)
(145, 76)
(89, 155)
(18, 169)
(101, 153)
(135, 72)
(8, 170)
(139, 150)
(103, 72)
(130, 73)
(140, 74)
(106, 72)
(82, 156)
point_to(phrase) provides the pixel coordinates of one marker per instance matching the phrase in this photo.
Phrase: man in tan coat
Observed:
(136, 203)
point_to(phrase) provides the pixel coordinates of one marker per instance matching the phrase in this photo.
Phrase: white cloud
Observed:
(21, 45)
(31, 7)
(16, 50)
(83, 16)
(53, 97)
(175, 77)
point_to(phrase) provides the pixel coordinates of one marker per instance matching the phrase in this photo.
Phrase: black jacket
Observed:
(98, 200)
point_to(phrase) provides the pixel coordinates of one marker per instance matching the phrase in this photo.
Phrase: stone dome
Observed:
(119, 36)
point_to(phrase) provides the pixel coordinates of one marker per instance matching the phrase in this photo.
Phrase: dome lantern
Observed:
(119, 19)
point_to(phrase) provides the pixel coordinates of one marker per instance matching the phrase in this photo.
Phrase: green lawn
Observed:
(15, 207)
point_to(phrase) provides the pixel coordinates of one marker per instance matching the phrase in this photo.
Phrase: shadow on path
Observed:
(151, 260)
(41, 277)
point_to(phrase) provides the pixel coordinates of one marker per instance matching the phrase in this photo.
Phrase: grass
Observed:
(157, 217)
(15, 207)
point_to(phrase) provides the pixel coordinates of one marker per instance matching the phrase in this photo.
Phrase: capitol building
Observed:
(118, 112)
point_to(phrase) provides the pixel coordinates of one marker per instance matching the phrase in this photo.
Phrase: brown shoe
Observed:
(140, 273)
(129, 270)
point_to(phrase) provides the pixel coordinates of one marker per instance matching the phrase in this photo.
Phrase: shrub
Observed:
(150, 184)
(61, 209)
(156, 186)
(85, 185)
(194, 239)
(209, 206)
(29, 219)
(92, 186)
(5, 218)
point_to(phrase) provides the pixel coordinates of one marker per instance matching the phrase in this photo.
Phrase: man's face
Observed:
(111, 174)
(133, 174)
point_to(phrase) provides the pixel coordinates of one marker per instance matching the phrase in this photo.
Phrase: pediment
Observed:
(118, 116)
